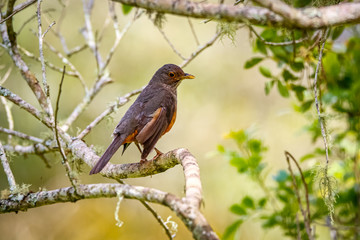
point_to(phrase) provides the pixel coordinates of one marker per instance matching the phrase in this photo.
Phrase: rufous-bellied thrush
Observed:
(151, 115)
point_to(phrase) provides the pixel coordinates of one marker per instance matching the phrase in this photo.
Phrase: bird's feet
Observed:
(158, 153)
(142, 161)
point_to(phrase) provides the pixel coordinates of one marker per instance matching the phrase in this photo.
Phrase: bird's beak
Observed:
(188, 76)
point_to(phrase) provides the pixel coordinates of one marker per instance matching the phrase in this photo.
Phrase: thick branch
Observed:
(129, 170)
(69, 194)
(273, 14)
(191, 216)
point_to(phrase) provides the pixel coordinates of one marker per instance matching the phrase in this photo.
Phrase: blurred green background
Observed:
(223, 97)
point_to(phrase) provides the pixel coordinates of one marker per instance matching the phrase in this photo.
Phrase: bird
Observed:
(151, 115)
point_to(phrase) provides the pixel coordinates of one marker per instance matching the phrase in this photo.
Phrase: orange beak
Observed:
(188, 76)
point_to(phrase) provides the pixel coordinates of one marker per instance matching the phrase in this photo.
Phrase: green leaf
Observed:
(248, 202)
(239, 163)
(231, 230)
(337, 31)
(282, 89)
(265, 72)
(221, 148)
(260, 46)
(268, 86)
(262, 202)
(287, 75)
(297, 65)
(252, 62)
(306, 105)
(255, 146)
(126, 9)
(237, 209)
(299, 91)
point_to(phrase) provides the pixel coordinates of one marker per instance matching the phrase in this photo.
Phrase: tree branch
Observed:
(25, 105)
(9, 40)
(21, 135)
(274, 13)
(7, 169)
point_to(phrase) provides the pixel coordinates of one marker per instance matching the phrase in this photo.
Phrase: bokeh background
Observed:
(223, 97)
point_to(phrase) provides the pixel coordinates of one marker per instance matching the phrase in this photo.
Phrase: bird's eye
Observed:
(171, 74)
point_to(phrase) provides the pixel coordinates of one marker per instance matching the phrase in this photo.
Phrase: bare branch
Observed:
(276, 43)
(68, 63)
(306, 214)
(18, 9)
(118, 35)
(200, 49)
(21, 135)
(76, 50)
(191, 216)
(158, 218)
(25, 105)
(7, 169)
(193, 32)
(170, 44)
(193, 187)
(321, 120)
(9, 40)
(32, 149)
(274, 13)
(43, 69)
(50, 65)
(69, 194)
(64, 161)
(89, 35)
(9, 115)
(89, 96)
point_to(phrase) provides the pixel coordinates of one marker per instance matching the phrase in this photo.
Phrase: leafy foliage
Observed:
(333, 190)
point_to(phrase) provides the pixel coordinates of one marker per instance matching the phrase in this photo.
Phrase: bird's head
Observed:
(171, 75)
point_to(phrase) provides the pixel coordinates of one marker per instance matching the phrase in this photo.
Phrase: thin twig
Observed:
(9, 39)
(306, 214)
(9, 115)
(118, 35)
(72, 179)
(170, 44)
(48, 28)
(32, 18)
(21, 135)
(321, 120)
(154, 213)
(6, 104)
(158, 218)
(287, 43)
(200, 49)
(7, 169)
(66, 61)
(89, 34)
(193, 32)
(49, 64)
(294, 44)
(18, 8)
(76, 50)
(43, 68)
(120, 102)
(89, 96)
(37, 148)
(25, 105)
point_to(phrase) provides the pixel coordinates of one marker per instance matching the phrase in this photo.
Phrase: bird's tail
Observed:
(110, 151)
